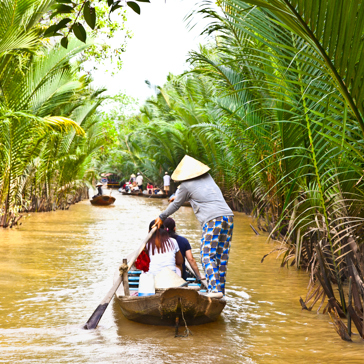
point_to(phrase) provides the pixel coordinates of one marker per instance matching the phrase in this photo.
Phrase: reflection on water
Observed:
(56, 268)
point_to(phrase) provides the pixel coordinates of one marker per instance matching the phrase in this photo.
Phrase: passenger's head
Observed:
(159, 240)
(151, 224)
(169, 225)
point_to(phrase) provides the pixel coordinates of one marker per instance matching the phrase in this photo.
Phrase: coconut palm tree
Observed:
(44, 107)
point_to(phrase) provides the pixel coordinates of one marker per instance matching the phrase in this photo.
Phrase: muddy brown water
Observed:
(57, 266)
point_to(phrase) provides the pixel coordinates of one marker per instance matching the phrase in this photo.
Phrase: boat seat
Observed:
(135, 272)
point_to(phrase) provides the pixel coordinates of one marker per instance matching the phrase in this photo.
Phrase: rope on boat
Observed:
(123, 268)
(187, 332)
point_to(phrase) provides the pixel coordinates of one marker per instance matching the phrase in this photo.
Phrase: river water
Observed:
(57, 266)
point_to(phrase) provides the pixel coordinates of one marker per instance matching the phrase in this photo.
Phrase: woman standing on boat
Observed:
(214, 215)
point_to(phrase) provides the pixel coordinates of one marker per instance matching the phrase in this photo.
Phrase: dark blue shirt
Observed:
(184, 245)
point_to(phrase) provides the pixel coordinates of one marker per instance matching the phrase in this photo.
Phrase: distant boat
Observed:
(138, 193)
(158, 196)
(102, 200)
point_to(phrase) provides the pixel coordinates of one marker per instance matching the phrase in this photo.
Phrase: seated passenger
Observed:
(184, 247)
(149, 188)
(135, 187)
(163, 251)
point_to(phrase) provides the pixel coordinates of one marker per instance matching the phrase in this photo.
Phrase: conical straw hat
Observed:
(189, 168)
(168, 279)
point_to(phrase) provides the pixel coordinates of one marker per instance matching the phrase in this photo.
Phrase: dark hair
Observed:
(169, 225)
(159, 240)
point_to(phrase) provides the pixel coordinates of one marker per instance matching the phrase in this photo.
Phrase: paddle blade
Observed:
(95, 318)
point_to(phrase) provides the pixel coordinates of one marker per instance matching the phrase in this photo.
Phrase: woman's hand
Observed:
(158, 222)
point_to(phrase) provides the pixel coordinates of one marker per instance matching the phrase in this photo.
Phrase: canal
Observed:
(56, 267)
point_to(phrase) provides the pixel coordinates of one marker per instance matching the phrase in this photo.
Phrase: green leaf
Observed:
(64, 9)
(50, 31)
(64, 42)
(80, 32)
(134, 6)
(64, 1)
(115, 6)
(143, 1)
(61, 9)
(62, 24)
(110, 2)
(89, 14)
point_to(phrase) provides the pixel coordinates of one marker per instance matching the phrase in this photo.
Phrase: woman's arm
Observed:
(179, 260)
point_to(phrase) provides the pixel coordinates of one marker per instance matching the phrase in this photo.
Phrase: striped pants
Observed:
(215, 246)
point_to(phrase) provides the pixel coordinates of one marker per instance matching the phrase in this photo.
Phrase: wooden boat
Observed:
(158, 196)
(171, 305)
(166, 306)
(102, 200)
(132, 193)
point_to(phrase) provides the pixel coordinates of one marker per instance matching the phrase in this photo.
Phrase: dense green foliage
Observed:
(48, 130)
(274, 105)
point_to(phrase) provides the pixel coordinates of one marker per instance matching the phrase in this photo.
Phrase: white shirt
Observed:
(167, 180)
(158, 261)
(139, 180)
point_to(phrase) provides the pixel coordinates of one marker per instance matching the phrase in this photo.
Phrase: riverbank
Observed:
(55, 201)
(57, 267)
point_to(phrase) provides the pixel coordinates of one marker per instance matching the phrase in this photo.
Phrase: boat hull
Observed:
(157, 196)
(132, 193)
(163, 308)
(102, 200)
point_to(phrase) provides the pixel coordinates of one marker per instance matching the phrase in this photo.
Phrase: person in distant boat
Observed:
(149, 188)
(99, 190)
(132, 178)
(184, 247)
(135, 187)
(214, 215)
(163, 251)
(167, 182)
(139, 181)
(127, 187)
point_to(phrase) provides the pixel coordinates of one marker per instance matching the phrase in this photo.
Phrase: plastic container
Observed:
(146, 285)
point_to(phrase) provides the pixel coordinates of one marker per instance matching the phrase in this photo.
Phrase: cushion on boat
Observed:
(168, 279)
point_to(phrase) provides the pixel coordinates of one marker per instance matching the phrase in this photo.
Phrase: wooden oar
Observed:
(188, 266)
(94, 319)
